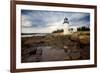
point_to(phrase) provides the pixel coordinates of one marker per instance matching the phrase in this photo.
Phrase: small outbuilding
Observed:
(73, 29)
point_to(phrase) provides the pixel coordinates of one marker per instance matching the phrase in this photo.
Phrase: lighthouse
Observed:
(65, 26)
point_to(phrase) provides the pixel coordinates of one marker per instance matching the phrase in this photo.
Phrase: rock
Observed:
(39, 51)
(85, 53)
(75, 54)
(31, 50)
(84, 39)
(74, 37)
(67, 58)
(65, 48)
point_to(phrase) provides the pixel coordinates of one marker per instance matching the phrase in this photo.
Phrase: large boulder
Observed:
(84, 39)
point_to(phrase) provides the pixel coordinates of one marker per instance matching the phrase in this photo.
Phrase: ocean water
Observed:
(34, 34)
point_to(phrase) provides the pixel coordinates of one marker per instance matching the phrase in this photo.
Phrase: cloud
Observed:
(25, 21)
(37, 21)
(48, 29)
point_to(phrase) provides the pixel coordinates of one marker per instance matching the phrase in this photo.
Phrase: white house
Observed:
(73, 29)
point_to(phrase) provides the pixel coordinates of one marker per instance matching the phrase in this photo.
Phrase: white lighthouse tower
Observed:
(66, 26)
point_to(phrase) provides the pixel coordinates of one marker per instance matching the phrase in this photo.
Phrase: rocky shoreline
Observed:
(75, 47)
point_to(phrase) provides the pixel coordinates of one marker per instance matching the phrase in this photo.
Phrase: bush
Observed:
(58, 31)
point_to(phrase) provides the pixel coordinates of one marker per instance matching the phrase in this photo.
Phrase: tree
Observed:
(83, 28)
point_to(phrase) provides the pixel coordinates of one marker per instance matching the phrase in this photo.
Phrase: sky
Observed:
(43, 21)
